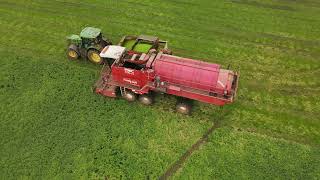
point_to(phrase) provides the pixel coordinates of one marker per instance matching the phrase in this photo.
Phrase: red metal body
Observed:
(169, 74)
(186, 72)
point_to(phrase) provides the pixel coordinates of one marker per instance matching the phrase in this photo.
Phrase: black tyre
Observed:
(146, 99)
(184, 108)
(94, 56)
(72, 54)
(129, 96)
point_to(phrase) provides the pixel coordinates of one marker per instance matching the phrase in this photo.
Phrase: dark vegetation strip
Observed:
(204, 139)
(178, 164)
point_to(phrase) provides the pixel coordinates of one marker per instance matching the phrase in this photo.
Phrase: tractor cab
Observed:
(88, 45)
(91, 36)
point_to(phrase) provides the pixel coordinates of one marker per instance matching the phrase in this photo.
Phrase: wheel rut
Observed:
(179, 163)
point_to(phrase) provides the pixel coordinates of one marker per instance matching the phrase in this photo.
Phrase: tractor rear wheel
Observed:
(184, 108)
(129, 96)
(72, 54)
(94, 56)
(146, 99)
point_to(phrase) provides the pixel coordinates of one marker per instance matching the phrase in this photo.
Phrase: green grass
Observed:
(233, 154)
(129, 44)
(52, 125)
(140, 47)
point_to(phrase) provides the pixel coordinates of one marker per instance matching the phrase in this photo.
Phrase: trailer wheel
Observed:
(129, 96)
(183, 108)
(72, 54)
(146, 99)
(94, 56)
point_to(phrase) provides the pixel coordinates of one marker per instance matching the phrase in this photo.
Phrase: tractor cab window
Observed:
(97, 40)
(85, 41)
(99, 37)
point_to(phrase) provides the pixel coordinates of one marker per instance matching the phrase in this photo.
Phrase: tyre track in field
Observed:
(204, 139)
(179, 163)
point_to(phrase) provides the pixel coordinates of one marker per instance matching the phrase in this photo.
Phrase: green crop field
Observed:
(54, 126)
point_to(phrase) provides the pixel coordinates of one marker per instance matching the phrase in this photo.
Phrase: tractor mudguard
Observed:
(74, 47)
(93, 48)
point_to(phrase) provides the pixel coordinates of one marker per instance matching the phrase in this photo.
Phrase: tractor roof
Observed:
(90, 32)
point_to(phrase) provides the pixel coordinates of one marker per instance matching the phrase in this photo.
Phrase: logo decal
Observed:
(130, 81)
(129, 71)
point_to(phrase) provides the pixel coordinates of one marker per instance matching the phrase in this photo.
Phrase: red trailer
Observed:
(141, 74)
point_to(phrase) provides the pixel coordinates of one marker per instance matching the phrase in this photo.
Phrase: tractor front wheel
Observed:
(146, 99)
(72, 54)
(129, 96)
(94, 56)
(184, 108)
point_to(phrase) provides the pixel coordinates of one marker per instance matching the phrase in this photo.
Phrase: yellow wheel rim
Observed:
(72, 54)
(95, 57)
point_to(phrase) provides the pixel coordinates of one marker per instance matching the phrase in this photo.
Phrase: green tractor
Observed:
(88, 45)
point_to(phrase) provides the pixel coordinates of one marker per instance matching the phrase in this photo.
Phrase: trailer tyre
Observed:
(183, 108)
(129, 96)
(146, 99)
